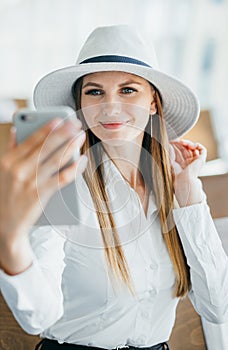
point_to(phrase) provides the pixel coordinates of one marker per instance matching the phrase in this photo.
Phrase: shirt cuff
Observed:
(15, 287)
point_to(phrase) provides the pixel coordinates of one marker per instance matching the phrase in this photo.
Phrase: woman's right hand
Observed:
(29, 173)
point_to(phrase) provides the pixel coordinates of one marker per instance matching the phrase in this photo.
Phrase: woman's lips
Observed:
(113, 125)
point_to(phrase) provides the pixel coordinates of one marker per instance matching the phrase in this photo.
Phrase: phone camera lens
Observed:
(23, 117)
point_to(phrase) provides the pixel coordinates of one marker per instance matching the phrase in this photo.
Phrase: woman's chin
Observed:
(114, 142)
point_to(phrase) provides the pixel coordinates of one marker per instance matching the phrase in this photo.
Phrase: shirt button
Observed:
(152, 292)
(145, 314)
(153, 266)
(147, 294)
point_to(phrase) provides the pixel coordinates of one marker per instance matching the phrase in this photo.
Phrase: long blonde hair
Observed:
(158, 176)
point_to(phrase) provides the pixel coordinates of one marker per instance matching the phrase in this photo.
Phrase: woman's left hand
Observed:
(187, 159)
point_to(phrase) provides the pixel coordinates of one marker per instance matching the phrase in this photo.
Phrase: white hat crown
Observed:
(118, 40)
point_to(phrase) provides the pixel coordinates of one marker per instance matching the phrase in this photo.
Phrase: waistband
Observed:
(49, 344)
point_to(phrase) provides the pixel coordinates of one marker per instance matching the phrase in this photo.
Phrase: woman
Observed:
(146, 237)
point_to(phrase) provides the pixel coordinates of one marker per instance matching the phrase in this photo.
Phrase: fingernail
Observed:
(73, 125)
(56, 123)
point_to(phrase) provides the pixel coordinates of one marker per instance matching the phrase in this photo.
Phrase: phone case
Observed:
(26, 121)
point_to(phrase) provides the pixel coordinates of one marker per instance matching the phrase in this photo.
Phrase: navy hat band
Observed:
(114, 59)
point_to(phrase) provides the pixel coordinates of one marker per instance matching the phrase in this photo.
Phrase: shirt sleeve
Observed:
(34, 296)
(207, 260)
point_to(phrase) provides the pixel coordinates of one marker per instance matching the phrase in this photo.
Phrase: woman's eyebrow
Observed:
(129, 82)
(91, 84)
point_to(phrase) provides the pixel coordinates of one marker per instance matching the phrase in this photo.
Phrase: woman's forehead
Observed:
(114, 76)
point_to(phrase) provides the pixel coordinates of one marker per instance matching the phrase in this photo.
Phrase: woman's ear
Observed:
(153, 108)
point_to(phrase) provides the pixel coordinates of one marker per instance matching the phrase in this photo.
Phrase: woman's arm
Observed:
(207, 261)
(202, 246)
(28, 173)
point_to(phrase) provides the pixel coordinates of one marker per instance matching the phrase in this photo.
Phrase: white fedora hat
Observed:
(120, 48)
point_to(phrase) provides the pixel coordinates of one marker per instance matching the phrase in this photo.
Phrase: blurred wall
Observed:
(38, 36)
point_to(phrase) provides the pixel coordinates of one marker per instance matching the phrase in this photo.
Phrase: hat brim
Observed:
(180, 105)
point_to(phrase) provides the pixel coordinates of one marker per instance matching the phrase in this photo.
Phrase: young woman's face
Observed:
(116, 105)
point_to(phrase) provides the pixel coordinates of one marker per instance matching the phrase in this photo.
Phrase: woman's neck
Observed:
(126, 157)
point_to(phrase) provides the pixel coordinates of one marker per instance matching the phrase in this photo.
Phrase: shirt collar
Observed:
(112, 175)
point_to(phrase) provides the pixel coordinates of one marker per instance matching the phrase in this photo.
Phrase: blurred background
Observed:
(191, 40)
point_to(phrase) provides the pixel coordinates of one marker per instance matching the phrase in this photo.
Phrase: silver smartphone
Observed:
(62, 208)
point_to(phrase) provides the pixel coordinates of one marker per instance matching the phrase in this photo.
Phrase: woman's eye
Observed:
(128, 90)
(93, 92)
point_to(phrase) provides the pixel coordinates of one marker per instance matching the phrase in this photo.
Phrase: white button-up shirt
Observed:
(67, 295)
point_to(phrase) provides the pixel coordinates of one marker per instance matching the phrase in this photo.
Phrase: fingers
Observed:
(48, 139)
(67, 175)
(32, 142)
(59, 180)
(187, 151)
(183, 155)
(193, 165)
(47, 132)
(192, 145)
(60, 158)
(25, 165)
(57, 138)
(54, 145)
(197, 148)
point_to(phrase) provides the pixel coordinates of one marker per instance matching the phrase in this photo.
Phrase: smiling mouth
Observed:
(113, 124)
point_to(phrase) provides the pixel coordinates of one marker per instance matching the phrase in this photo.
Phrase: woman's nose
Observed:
(111, 106)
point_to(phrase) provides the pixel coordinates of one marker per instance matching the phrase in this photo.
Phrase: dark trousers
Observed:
(47, 344)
